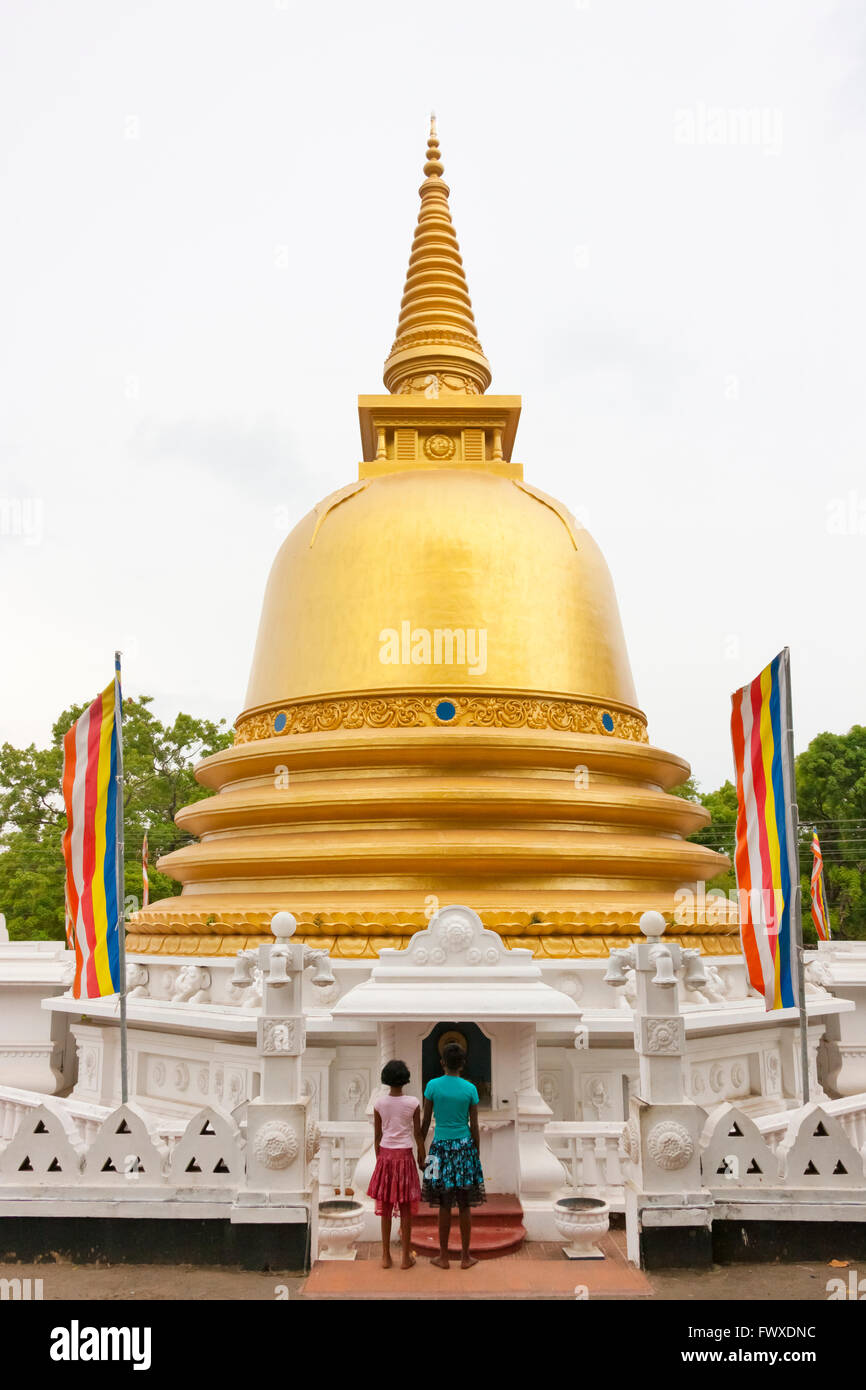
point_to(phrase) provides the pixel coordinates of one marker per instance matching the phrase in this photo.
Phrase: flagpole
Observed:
(121, 887)
(797, 895)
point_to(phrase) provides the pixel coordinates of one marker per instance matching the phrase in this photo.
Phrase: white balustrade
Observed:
(589, 1151)
(341, 1145)
(849, 1110)
(90, 1145)
(15, 1103)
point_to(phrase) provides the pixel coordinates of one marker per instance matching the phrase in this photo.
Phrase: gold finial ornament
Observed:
(440, 707)
(436, 340)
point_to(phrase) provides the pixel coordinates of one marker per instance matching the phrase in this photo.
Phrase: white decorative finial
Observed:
(652, 924)
(283, 925)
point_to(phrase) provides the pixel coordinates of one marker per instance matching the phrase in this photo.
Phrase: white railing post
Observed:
(281, 1137)
(341, 1163)
(590, 1164)
(613, 1168)
(664, 1189)
(576, 1160)
(326, 1165)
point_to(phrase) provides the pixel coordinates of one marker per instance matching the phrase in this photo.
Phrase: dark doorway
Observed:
(477, 1069)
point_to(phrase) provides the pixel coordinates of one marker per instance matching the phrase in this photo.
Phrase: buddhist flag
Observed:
(90, 792)
(765, 857)
(145, 886)
(820, 910)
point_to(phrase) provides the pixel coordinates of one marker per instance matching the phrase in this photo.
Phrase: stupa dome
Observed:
(440, 707)
(523, 591)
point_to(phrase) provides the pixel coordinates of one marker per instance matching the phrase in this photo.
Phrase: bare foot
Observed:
(408, 1261)
(441, 1262)
(468, 1261)
(387, 1262)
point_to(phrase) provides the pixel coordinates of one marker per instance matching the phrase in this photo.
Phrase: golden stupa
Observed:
(440, 707)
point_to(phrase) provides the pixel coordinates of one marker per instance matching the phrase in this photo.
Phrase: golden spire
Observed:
(436, 344)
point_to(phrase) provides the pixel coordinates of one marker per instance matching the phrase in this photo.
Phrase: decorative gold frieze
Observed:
(426, 335)
(361, 943)
(440, 447)
(431, 383)
(420, 711)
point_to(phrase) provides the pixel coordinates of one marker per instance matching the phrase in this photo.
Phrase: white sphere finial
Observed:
(283, 925)
(652, 924)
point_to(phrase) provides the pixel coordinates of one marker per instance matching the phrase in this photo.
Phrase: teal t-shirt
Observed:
(451, 1097)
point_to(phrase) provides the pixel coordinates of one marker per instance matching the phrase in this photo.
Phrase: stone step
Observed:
(499, 1206)
(488, 1242)
(497, 1228)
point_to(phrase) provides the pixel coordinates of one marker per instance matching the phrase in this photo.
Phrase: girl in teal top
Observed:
(453, 1170)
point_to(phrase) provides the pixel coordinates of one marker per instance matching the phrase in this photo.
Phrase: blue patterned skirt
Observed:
(452, 1175)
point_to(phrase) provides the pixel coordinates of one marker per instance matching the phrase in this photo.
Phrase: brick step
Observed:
(499, 1207)
(497, 1228)
(488, 1242)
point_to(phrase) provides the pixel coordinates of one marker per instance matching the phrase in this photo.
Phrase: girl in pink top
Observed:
(395, 1184)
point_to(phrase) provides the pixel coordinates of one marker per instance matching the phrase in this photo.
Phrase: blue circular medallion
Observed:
(607, 722)
(445, 711)
(280, 722)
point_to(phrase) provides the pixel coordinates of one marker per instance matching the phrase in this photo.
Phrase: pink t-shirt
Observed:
(398, 1129)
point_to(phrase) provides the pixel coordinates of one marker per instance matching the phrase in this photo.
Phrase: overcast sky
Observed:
(207, 213)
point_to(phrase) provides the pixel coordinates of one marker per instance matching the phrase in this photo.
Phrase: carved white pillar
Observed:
(387, 1042)
(281, 1028)
(281, 1139)
(659, 1028)
(664, 1188)
(541, 1173)
(527, 1058)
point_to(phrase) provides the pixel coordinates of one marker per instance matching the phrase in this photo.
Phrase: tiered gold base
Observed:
(558, 839)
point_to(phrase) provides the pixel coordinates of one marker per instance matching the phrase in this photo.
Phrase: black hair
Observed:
(394, 1074)
(453, 1056)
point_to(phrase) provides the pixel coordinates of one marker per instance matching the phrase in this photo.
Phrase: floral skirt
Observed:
(395, 1181)
(452, 1175)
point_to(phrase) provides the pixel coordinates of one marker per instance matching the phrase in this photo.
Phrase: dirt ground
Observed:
(793, 1282)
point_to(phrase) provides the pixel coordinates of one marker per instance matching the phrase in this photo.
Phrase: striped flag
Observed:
(90, 789)
(765, 857)
(820, 910)
(145, 885)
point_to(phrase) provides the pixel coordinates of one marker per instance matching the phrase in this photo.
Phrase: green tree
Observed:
(719, 834)
(158, 780)
(831, 792)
